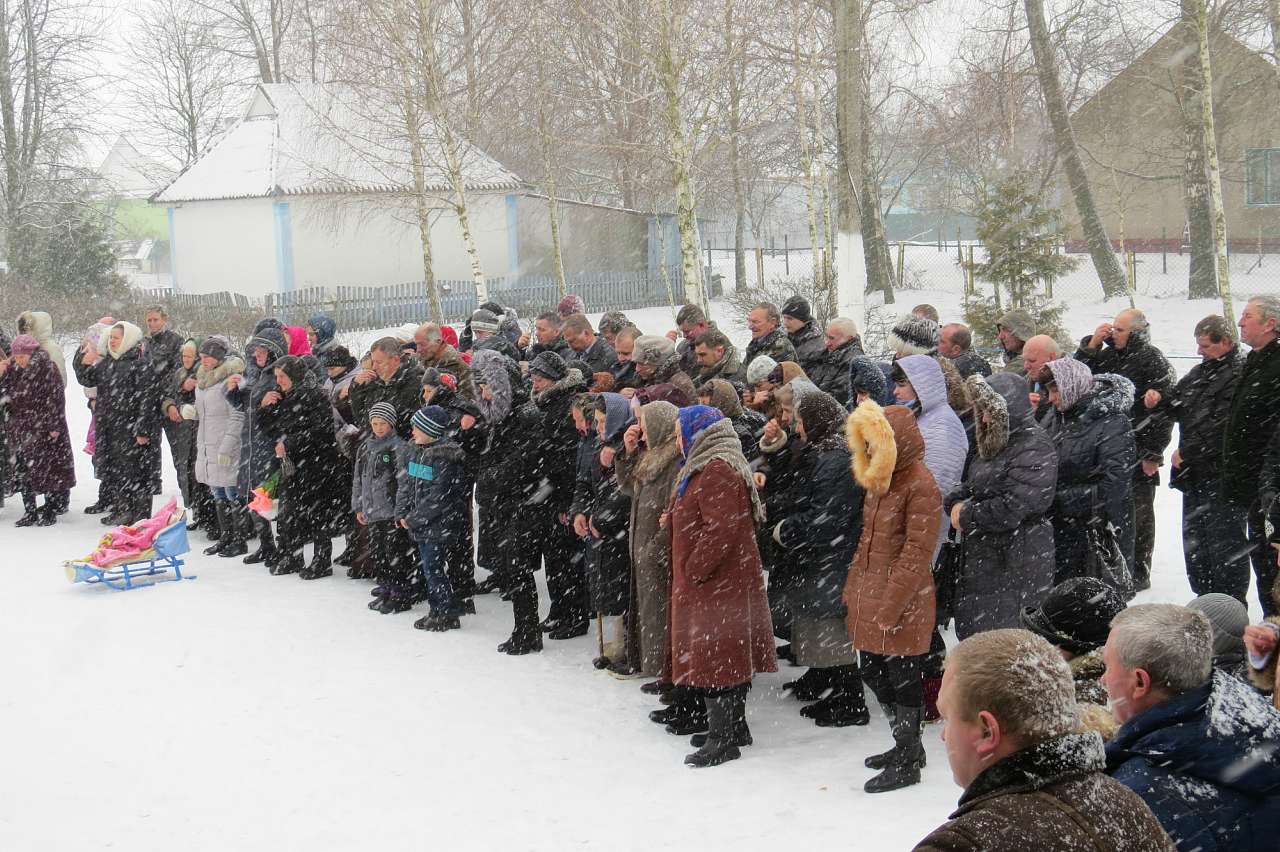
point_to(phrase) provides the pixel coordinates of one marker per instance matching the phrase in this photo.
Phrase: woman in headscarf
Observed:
(95, 338)
(720, 629)
(128, 421)
(748, 423)
(818, 538)
(297, 418)
(647, 469)
(889, 591)
(37, 430)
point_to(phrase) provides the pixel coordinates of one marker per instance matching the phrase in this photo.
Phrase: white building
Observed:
(301, 193)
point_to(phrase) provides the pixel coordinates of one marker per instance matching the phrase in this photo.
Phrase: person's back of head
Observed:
(1153, 653)
(690, 315)
(1003, 691)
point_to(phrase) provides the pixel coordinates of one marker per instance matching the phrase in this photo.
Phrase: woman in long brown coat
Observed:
(889, 593)
(647, 470)
(721, 634)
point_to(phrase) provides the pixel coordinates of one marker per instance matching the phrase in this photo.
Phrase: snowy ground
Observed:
(240, 711)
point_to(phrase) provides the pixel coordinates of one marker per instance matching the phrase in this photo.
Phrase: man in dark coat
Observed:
(1031, 781)
(163, 348)
(1254, 418)
(1215, 544)
(624, 346)
(391, 379)
(717, 359)
(554, 387)
(128, 421)
(955, 341)
(1200, 747)
(692, 322)
(547, 338)
(1124, 348)
(767, 336)
(1013, 330)
(593, 351)
(832, 373)
(434, 351)
(803, 332)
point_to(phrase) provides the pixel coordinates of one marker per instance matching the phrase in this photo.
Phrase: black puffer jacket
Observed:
(558, 439)
(775, 344)
(832, 373)
(970, 363)
(820, 538)
(312, 504)
(1007, 494)
(1148, 369)
(1255, 414)
(1095, 457)
(1201, 405)
(810, 346)
(403, 390)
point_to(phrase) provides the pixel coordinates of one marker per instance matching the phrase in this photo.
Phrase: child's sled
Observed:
(158, 562)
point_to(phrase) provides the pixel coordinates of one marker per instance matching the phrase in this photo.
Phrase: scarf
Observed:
(718, 441)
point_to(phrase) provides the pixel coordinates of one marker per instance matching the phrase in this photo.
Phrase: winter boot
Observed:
(902, 768)
(233, 540)
(59, 502)
(347, 557)
(224, 523)
(321, 561)
(690, 716)
(287, 563)
(845, 706)
(30, 513)
(570, 627)
(490, 584)
(47, 515)
(722, 714)
(741, 733)
(526, 638)
(392, 604)
(266, 552)
(810, 685)
(656, 687)
(436, 623)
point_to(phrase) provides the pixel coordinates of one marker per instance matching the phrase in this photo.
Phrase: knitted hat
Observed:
(865, 376)
(24, 344)
(652, 350)
(431, 419)
(759, 369)
(486, 321)
(383, 411)
(1019, 322)
(571, 304)
(913, 335)
(1075, 615)
(1074, 380)
(338, 356)
(549, 365)
(293, 367)
(797, 307)
(448, 335)
(266, 323)
(434, 378)
(215, 348)
(1228, 618)
(613, 322)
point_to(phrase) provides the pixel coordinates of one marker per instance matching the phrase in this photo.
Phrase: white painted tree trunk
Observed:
(1211, 155)
(850, 266)
(679, 155)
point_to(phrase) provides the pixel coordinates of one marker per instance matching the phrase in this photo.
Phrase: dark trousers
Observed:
(1263, 557)
(461, 556)
(394, 556)
(1144, 530)
(182, 443)
(431, 559)
(896, 681)
(566, 573)
(1215, 542)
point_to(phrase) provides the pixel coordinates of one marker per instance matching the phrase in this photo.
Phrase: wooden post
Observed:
(1164, 251)
(786, 251)
(968, 275)
(902, 261)
(959, 250)
(759, 267)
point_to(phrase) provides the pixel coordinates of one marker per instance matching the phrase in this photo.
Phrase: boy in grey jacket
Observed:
(373, 499)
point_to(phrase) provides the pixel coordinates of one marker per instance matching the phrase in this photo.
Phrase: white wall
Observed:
(224, 245)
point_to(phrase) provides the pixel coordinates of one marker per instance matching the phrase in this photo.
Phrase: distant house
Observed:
(1131, 137)
(306, 191)
(127, 178)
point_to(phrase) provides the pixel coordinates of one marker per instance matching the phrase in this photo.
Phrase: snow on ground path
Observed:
(241, 711)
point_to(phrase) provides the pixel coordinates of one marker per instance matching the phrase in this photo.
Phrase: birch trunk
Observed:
(850, 276)
(806, 156)
(1202, 280)
(1104, 259)
(1274, 9)
(735, 149)
(422, 210)
(549, 171)
(876, 247)
(678, 155)
(1211, 155)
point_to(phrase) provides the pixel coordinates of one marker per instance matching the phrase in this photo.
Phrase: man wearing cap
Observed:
(803, 332)
(389, 379)
(1076, 617)
(1014, 329)
(767, 336)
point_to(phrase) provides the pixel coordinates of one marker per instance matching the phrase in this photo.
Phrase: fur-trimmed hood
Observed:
(882, 441)
(990, 416)
(1112, 394)
(573, 382)
(229, 366)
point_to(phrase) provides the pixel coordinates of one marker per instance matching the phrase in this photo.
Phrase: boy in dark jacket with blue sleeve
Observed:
(374, 489)
(433, 500)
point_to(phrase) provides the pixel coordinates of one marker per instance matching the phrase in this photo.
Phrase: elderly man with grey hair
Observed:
(1250, 427)
(832, 372)
(433, 351)
(1200, 747)
(1124, 348)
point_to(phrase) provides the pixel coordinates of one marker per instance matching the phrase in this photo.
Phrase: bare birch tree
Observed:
(1210, 140)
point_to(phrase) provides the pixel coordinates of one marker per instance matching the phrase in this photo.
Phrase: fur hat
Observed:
(24, 344)
(913, 335)
(865, 376)
(1228, 618)
(797, 307)
(338, 356)
(431, 419)
(383, 411)
(1075, 615)
(486, 321)
(215, 348)
(549, 365)
(571, 304)
(652, 350)
(759, 369)
(1019, 322)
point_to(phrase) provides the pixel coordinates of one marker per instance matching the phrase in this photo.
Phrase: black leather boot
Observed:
(526, 638)
(722, 720)
(904, 760)
(266, 552)
(321, 561)
(215, 549)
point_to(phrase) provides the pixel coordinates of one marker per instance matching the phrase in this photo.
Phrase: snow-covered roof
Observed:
(127, 173)
(313, 139)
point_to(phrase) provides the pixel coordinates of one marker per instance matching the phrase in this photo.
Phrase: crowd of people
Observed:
(700, 505)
